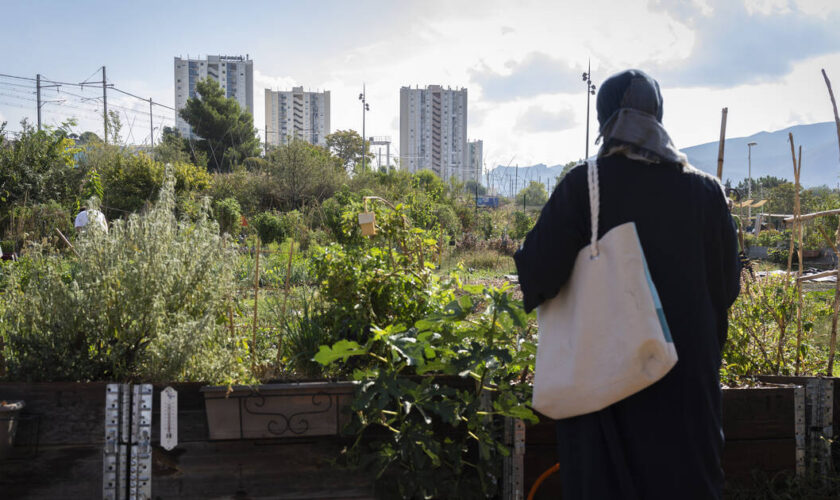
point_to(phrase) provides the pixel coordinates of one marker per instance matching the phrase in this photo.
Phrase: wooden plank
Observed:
(60, 413)
(780, 379)
(53, 472)
(758, 413)
(298, 468)
(770, 456)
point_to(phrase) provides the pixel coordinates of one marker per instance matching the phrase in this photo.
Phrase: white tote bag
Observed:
(604, 336)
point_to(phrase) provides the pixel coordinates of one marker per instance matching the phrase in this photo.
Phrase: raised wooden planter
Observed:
(61, 432)
(759, 425)
(277, 410)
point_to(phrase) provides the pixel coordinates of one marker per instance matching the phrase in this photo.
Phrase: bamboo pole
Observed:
(67, 241)
(723, 114)
(288, 274)
(797, 211)
(813, 215)
(832, 349)
(816, 276)
(256, 309)
(832, 345)
(833, 104)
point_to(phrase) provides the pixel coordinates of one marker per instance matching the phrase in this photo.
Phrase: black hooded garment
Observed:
(665, 441)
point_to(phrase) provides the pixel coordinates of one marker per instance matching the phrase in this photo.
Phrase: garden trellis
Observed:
(796, 239)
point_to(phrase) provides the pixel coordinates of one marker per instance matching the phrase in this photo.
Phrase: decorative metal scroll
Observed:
(294, 423)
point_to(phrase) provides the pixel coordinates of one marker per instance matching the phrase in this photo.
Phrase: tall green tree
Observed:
(298, 173)
(349, 147)
(533, 194)
(226, 133)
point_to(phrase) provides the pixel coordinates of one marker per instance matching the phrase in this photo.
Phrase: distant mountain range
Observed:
(771, 156)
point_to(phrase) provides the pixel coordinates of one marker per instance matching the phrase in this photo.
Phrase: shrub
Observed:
(144, 301)
(522, 223)
(269, 227)
(376, 281)
(430, 438)
(762, 330)
(229, 216)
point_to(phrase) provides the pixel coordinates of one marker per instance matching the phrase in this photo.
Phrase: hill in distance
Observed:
(770, 156)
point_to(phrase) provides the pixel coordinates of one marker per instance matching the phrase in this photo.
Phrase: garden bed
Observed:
(759, 424)
(61, 436)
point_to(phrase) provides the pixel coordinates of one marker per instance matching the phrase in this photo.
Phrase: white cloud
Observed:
(537, 119)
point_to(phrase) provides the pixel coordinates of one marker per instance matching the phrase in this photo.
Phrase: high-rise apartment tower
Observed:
(234, 74)
(475, 159)
(433, 131)
(297, 114)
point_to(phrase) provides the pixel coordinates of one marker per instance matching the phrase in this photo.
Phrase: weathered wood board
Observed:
(758, 424)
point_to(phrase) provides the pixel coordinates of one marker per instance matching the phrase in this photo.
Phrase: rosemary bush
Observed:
(144, 301)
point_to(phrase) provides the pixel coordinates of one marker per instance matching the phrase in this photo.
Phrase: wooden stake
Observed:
(256, 309)
(723, 114)
(797, 229)
(833, 104)
(67, 242)
(288, 274)
(832, 349)
(832, 345)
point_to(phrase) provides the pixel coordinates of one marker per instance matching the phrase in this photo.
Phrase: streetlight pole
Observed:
(749, 179)
(590, 91)
(365, 107)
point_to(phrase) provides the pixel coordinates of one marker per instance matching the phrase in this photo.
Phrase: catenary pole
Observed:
(38, 92)
(151, 125)
(105, 104)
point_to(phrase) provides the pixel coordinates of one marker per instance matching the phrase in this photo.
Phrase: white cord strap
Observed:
(594, 203)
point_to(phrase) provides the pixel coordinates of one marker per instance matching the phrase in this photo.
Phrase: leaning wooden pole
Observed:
(723, 114)
(832, 349)
(834, 105)
(797, 212)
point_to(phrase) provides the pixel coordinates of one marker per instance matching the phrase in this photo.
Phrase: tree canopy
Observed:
(226, 133)
(533, 194)
(349, 147)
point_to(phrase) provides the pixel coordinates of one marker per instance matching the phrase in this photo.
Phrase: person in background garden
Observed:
(663, 442)
(89, 217)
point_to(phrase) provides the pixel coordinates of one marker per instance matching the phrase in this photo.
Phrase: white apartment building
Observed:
(433, 131)
(295, 113)
(475, 159)
(235, 74)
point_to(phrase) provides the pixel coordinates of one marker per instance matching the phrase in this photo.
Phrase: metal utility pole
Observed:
(38, 92)
(365, 107)
(749, 178)
(151, 126)
(516, 181)
(590, 91)
(105, 104)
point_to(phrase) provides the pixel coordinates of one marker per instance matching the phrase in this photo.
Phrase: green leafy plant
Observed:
(381, 280)
(145, 301)
(229, 215)
(269, 226)
(762, 330)
(429, 407)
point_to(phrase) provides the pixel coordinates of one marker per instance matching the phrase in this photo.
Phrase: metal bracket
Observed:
(514, 466)
(799, 428)
(820, 411)
(128, 433)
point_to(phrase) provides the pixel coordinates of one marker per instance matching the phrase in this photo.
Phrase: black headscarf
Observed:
(629, 108)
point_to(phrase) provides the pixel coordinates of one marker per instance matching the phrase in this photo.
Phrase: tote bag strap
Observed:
(594, 204)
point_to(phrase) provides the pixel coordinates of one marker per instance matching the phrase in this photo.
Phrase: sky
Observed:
(521, 62)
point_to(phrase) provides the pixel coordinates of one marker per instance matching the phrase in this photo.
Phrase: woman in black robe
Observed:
(663, 442)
